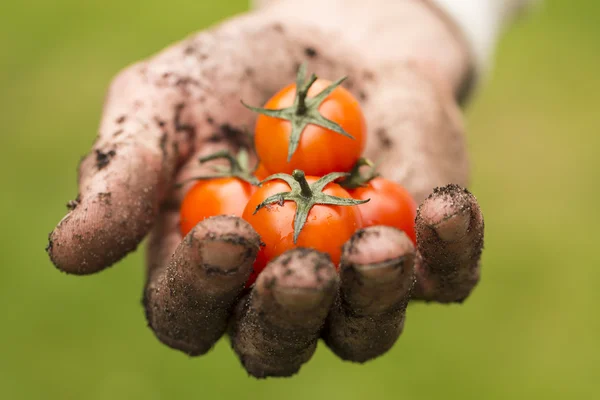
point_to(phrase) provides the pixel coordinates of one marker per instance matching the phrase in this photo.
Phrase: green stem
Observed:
(302, 94)
(306, 196)
(304, 111)
(299, 177)
(234, 165)
(238, 168)
(355, 179)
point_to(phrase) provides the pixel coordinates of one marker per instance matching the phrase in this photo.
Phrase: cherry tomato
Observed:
(327, 227)
(390, 205)
(212, 197)
(261, 172)
(320, 150)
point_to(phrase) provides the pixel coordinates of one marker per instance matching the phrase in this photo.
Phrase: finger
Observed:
(276, 328)
(120, 183)
(159, 112)
(188, 303)
(449, 228)
(421, 143)
(377, 277)
(163, 243)
(165, 235)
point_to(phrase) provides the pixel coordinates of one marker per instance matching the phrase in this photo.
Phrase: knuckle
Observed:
(126, 74)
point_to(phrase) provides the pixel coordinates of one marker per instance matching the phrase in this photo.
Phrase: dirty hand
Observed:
(408, 67)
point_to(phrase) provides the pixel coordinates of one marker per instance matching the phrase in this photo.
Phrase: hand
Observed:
(163, 113)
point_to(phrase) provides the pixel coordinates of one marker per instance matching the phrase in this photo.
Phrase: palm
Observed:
(161, 115)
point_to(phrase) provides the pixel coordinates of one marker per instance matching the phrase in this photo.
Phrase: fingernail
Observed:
(386, 271)
(222, 256)
(448, 212)
(299, 298)
(455, 227)
(300, 280)
(377, 244)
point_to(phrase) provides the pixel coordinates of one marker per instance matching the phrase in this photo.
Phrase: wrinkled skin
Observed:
(161, 114)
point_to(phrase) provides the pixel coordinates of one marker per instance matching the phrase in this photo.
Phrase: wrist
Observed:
(383, 33)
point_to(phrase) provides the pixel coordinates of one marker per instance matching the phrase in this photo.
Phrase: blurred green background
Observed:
(530, 330)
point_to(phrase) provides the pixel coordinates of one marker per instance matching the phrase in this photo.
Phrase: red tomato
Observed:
(327, 227)
(212, 197)
(261, 172)
(390, 205)
(320, 150)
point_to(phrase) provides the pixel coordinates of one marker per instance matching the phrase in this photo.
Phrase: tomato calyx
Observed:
(306, 196)
(355, 179)
(305, 110)
(237, 168)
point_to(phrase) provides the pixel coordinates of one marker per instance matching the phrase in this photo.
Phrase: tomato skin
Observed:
(320, 150)
(261, 172)
(390, 205)
(212, 197)
(327, 227)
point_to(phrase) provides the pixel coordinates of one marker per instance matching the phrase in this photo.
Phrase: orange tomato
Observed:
(320, 150)
(212, 197)
(390, 205)
(261, 172)
(327, 227)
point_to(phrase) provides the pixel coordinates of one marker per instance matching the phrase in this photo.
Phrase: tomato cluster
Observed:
(307, 190)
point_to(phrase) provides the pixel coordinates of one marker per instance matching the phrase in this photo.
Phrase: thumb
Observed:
(121, 182)
(160, 112)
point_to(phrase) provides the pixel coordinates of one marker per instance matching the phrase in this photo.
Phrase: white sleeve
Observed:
(482, 22)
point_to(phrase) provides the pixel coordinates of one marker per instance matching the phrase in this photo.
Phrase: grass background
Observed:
(530, 330)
